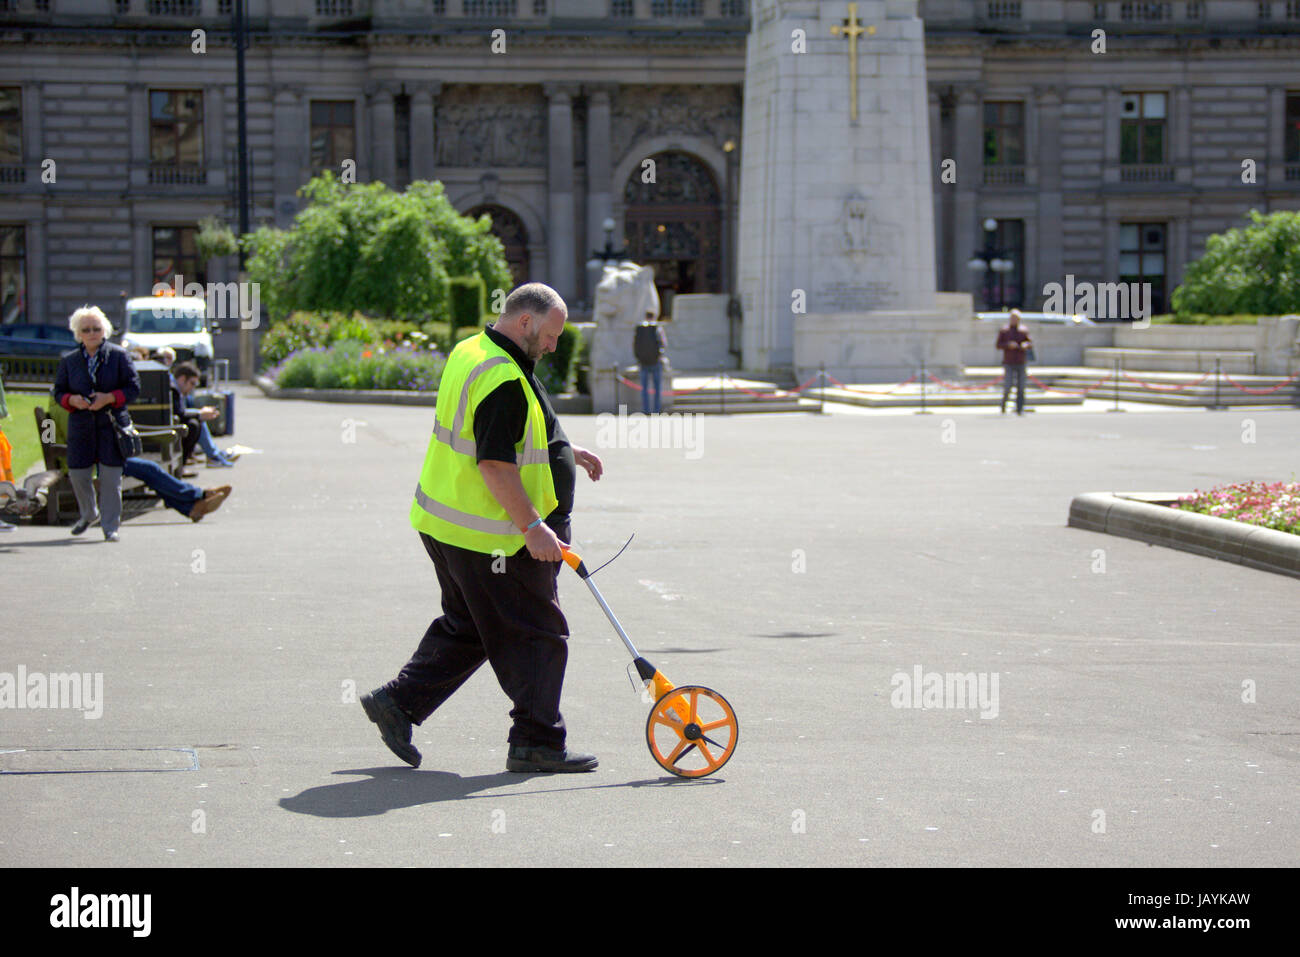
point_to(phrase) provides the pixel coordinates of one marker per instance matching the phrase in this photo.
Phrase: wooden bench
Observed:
(161, 443)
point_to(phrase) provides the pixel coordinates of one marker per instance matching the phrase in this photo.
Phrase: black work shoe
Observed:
(82, 525)
(524, 758)
(394, 725)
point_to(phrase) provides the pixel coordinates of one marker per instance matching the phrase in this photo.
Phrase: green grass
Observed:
(20, 429)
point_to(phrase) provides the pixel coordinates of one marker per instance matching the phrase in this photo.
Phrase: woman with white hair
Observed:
(95, 382)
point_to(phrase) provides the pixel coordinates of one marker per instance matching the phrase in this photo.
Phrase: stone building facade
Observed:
(117, 135)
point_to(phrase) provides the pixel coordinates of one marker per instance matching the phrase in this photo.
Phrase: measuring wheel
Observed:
(692, 731)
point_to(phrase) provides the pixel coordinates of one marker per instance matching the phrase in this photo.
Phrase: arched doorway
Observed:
(675, 225)
(510, 229)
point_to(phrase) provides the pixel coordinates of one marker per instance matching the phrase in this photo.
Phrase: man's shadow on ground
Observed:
(387, 789)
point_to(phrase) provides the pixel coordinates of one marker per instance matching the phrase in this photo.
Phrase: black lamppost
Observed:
(990, 260)
(600, 257)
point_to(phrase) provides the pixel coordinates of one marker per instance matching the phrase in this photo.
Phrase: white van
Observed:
(153, 322)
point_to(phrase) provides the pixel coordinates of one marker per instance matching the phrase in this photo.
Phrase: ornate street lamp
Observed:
(992, 260)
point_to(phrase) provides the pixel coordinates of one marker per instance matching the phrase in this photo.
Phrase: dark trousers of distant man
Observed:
(1013, 374)
(509, 616)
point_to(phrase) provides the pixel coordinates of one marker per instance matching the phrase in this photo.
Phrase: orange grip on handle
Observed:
(571, 558)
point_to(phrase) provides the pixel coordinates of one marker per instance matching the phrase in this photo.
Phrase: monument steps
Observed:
(1162, 387)
(710, 394)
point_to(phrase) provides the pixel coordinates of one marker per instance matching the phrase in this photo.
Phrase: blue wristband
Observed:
(536, 522)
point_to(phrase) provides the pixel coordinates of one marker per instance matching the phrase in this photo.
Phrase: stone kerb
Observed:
(1147, 517)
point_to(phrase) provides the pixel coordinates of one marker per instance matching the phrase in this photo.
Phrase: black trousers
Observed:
(503, 610)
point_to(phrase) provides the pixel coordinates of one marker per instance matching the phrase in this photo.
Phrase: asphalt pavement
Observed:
(1130, 705)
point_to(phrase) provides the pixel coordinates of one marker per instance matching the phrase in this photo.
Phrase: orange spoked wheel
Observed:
(692, 731)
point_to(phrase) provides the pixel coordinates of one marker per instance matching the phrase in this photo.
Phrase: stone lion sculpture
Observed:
(625, 293)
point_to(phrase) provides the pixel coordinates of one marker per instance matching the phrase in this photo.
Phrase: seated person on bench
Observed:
(185, 379)
(185, 498)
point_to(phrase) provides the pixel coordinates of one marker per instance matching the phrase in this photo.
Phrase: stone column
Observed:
(599, 170)
(968, 234)
(559, 136)
(1049, 264)
(1110, 161)
(1276, 156)
(138, 99)
(291, 156)
(1180, 120)
(383, 142)
(423, 162)
(38, 292)
(214, 132)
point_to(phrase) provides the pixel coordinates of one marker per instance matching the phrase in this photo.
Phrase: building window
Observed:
(1195, 10)
(1142, 129)
(490, 8)
(121, 6)
(333, 134)
(176, 136)
(1293, 9)
(1003, 10)
(1142, 248)
(735, 8)
(1099, 11)
(1291, 138)
(11, 135)
(175, 254)
(1144, 12)
(439, 8)
(622, 9)
(13, 274)
(539, 8)
(226, 8)
(333, 8)
(1004, 134)
(173, 8)
(1003, 288)
(676, 8)
(402, 130)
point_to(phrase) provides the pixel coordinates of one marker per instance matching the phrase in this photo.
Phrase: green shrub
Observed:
(354, 328)
(555, 370)
(352, 365)
(301, 330)
(1255, 270)
(468, 301)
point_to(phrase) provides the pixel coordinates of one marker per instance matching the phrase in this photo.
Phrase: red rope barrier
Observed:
(846, 388)
(1056, 388)
(1165, 388)
(1250, 391)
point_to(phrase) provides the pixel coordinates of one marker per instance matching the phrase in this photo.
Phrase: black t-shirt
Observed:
(499, 424)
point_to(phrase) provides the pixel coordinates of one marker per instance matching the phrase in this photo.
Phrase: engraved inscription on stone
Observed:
(848, 296)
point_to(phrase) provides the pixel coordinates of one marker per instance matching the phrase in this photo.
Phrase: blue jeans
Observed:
(1013, 374)
(207, 445)
(650, 374)
(175, 493)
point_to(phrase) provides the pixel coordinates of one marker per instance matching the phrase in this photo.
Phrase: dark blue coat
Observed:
(91, 437)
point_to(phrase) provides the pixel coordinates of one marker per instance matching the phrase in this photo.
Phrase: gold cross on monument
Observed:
(852, 29)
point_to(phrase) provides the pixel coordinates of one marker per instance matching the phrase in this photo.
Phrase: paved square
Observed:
(807, 567)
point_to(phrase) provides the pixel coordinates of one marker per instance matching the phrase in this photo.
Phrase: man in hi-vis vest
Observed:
(492, 508)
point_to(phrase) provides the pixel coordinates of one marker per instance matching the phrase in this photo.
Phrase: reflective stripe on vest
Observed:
(531, 455)
(452, 502)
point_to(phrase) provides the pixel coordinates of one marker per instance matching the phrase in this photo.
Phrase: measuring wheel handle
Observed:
(692, 731)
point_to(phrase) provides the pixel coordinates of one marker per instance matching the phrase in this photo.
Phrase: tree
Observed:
(1255, 270)
(364, 248)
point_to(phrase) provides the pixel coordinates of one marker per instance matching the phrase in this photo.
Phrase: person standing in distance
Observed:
(1014, 342)
(492, 508)
(95, 382)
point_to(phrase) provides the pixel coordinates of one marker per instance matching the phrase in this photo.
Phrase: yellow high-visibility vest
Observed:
(452, 502)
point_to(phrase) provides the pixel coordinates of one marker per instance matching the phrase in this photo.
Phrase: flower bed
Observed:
(353, 365)
(1256, 503)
